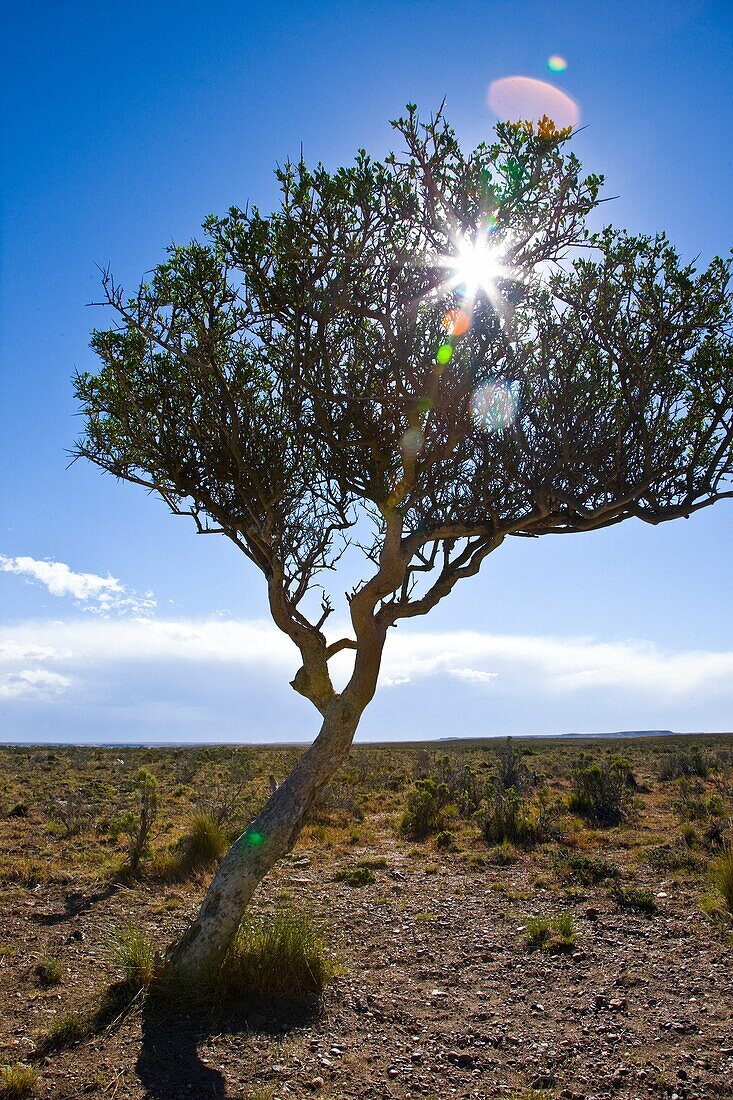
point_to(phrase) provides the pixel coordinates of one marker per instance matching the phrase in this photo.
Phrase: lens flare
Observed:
(456, 322)
(516, 98)
(444, 354)
(494, 405)
(412, 442)
(556, 64)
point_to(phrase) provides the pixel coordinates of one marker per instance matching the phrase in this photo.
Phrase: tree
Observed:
(434, 349)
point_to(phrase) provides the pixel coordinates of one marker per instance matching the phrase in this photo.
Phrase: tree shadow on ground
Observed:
(75, 904)
(169, 1065)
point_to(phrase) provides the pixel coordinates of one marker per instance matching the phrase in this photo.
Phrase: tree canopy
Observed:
(434, 347)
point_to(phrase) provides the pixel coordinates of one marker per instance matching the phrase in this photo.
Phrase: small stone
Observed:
(392, 1072)
(417, 1056)
(315, 1083)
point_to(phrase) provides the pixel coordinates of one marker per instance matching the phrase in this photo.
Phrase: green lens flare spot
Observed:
(255, 840)
(444, 354)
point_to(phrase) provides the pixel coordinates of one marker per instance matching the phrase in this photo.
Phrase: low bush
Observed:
(428, 809)
(603, 792)
(692, 761)
(446, 839)
(507, 817)
(587, 869)
(280, 956)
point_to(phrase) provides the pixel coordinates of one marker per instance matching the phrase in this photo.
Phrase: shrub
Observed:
(280, 956)
(428, 809)
(602, 792)
(723, 877)
(465, 787)
(375, 863)
(355, 876)
(692, 761)
(587, 869)
(49, 972)
(507, 817)
(137, 824)
(512, 772)
(446, 839)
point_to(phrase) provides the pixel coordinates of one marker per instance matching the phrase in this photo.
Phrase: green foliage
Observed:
(202, 845)
(445, 839)
(723, 877)
(134, 953)
(428, 809)
(256, 374)
(602, 791)
(507, 817)
(587, 869)
(355, 876)
(638, 898)
(17, 1080)
(49, 972)
(279, 956)
(137, 824)
(690, 762)
(551, 933)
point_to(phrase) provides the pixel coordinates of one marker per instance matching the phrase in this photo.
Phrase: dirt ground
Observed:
(438, 993)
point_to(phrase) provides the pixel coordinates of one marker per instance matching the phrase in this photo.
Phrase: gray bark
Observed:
(273, 833)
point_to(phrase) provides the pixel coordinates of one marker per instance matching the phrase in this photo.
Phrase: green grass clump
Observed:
(637, 898)
(356, 876)
(723, 877)
(17, 1080)
(373, 863)
(203, 844)
(551, 933)
(445, 839)
(134, 954)
(280, 956)
(49, 972)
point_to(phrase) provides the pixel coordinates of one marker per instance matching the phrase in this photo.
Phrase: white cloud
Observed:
(100, 595)
(473, 675)
(33, 684)
(91, 649)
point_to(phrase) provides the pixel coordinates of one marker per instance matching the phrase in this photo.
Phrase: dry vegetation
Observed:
(473, 919)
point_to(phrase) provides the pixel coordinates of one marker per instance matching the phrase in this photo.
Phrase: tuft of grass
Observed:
(134, 954)
(279, 956)
(17, 1080)
(49, 972)
(355, 876)
(373, 863)
(723, 877)
(551, 933)
(445, 839)
(637, 898)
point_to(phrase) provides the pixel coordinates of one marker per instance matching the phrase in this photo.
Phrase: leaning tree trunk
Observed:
(271, 835)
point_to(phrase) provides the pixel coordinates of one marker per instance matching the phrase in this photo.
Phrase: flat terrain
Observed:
(446, 985)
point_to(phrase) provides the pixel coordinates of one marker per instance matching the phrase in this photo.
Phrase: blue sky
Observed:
(123, 127)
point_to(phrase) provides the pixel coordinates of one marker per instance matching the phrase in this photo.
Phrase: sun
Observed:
(476, 266)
